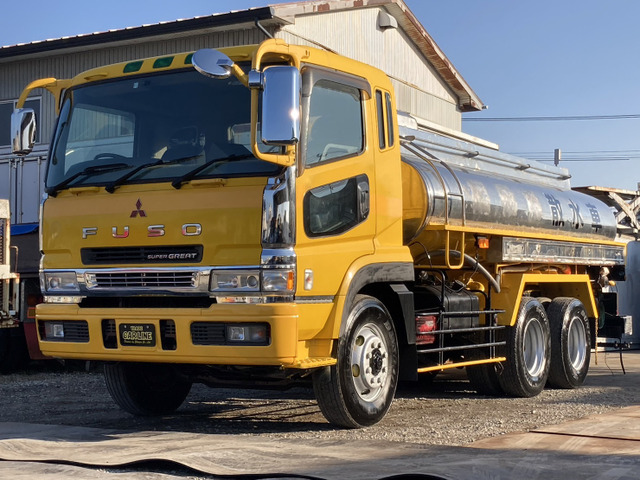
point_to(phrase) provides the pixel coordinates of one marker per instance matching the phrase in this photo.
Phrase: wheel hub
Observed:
(376, 362)
(577, 343)
(369, 362)
(534, 348)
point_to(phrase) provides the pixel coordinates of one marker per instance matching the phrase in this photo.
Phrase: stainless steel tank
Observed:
(448, 186)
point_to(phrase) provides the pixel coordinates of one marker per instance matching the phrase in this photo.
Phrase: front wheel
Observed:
(570, 343)
(145, 389)
(358, 390)
(528, 349)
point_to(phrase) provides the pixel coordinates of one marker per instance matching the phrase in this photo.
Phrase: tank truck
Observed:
(263, 216)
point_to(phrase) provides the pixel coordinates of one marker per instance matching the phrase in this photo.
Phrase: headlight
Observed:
(235, 281)
(55, 282)
(281, 280)
(243, 283)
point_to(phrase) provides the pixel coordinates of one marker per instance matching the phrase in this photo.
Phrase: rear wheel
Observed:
(570, 343)
(528, 350)
(359, 389)
(145, 389)
(484, 379)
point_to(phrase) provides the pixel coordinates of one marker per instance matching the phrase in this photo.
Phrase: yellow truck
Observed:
(262, 215)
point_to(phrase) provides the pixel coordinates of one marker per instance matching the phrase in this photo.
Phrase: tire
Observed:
(484, 379)
(145, 389)
(358, 390)
(570, 343)
(528, 350)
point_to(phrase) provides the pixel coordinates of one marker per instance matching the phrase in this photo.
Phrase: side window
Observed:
(390, 131)
(380, 115)
(337, 207)
(335, 128)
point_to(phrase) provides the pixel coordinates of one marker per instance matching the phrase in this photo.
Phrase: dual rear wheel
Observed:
(545, 347)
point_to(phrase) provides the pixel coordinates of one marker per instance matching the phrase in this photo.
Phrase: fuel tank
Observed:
(451, 182)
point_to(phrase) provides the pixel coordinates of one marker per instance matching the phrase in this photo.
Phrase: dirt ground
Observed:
(448, 412)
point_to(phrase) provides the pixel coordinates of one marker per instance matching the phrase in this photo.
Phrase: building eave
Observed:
(189, 26)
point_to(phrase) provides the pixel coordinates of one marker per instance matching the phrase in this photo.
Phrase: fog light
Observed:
(54, 330)
(254, 334)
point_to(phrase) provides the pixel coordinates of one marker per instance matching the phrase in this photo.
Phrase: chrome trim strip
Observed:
(87, 281)
(278, 258)
(515, 249)
(279, 211)
(316, 299)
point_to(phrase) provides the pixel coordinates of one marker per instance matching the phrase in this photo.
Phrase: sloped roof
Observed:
(467, 98)
(276, 15)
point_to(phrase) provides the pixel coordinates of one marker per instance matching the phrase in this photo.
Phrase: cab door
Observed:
(336, 220)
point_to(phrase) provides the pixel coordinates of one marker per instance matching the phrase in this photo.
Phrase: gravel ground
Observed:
(448, 412)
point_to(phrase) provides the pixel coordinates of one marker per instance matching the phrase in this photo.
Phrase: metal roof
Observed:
(273, 15)
(182, 26)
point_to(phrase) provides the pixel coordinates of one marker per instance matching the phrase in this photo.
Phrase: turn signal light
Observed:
(482, 242)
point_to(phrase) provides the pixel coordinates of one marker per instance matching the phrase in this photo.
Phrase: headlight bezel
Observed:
(253, 282)
(60, 282)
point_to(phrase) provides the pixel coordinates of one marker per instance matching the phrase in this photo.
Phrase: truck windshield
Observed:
(154, 128)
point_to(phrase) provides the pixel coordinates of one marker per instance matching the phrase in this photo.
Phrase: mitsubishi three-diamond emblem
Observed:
(138, 210)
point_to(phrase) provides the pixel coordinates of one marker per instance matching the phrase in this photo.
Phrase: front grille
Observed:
(124, 255)
(109, 335)
(159, 280)
(74, 331)
(208, 333)
(168, 334)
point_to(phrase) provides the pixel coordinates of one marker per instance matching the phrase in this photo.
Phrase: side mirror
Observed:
(212, 63)
(23, 131)
(281, 105)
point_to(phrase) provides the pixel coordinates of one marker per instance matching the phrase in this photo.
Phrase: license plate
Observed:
(138, 334)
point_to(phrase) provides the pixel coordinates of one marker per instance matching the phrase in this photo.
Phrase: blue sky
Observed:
(523, 59)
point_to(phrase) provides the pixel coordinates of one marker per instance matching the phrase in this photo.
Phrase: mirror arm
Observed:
(52, 85)
(240, 75)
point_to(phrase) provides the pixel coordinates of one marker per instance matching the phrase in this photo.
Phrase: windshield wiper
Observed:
(119, 181)
(88, 172)
(177, 183)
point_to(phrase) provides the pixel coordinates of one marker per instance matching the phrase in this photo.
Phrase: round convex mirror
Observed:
(212, 63)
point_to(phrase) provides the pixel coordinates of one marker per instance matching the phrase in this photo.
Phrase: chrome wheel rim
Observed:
(534, 348)
(369, 362)
(577, 343)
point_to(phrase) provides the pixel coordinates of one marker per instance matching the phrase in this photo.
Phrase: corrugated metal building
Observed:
(383, 33)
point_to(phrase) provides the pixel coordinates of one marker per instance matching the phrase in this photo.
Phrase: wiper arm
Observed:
(119, 181)
(177, 183)
(88, 172)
